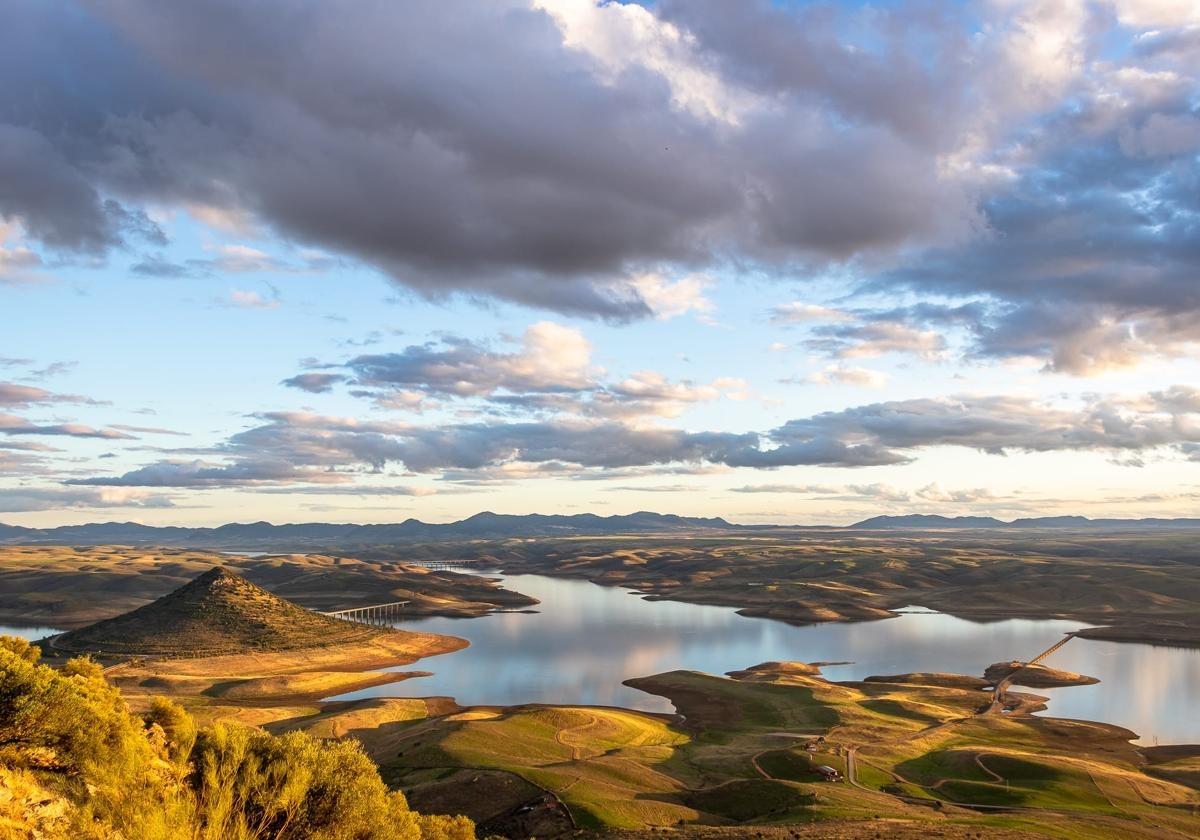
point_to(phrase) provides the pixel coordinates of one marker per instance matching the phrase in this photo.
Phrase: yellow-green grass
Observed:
(599, 762)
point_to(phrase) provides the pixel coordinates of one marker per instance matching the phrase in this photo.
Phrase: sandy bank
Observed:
(396, 648)
(289, 676)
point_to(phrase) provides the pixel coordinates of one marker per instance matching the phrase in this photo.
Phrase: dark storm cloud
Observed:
(895, 71)
(291, 447)
(56, 203)
(397, 135)
(431, 141)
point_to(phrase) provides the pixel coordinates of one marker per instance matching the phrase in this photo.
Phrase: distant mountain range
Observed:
(922, 521)
(487, 525)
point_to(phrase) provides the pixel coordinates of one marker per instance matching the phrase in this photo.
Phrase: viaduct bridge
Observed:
(451, 565)
(372, 614)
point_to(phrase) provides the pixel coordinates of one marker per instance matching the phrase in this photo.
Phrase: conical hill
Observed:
(217, 613)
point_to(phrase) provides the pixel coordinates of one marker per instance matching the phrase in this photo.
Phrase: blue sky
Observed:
(786, 264)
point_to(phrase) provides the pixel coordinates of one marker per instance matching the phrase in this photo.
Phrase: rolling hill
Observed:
(218, 612)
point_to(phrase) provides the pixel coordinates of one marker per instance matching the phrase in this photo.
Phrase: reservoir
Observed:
(586, 639)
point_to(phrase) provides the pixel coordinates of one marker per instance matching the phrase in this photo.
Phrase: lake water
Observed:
(30, 633)
(586, 639)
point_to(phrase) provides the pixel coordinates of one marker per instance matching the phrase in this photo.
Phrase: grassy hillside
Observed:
(745, 752)
(217, 613)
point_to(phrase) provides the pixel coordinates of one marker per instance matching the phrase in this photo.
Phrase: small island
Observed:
(1034, 676)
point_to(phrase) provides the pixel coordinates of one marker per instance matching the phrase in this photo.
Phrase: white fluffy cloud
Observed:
(550, 358)
(626, 36)
(1145, 14)
(849, 375)
(671, 298)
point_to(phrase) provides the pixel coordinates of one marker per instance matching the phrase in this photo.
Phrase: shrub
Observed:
(76, 763)
(178, 728)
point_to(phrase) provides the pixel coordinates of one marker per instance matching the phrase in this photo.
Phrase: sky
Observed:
(778, 262)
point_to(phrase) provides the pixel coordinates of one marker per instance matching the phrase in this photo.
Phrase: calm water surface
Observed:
(586, 639)
(30, 633)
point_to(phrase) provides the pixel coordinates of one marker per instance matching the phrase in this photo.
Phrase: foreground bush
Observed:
(76, 763)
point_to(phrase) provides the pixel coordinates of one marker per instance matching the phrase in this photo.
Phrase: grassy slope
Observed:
(218, 613)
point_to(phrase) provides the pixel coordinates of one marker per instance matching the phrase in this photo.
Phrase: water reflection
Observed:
(587, 639)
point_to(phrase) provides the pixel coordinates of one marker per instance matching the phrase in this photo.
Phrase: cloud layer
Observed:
(290, 447)
(590, 158)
